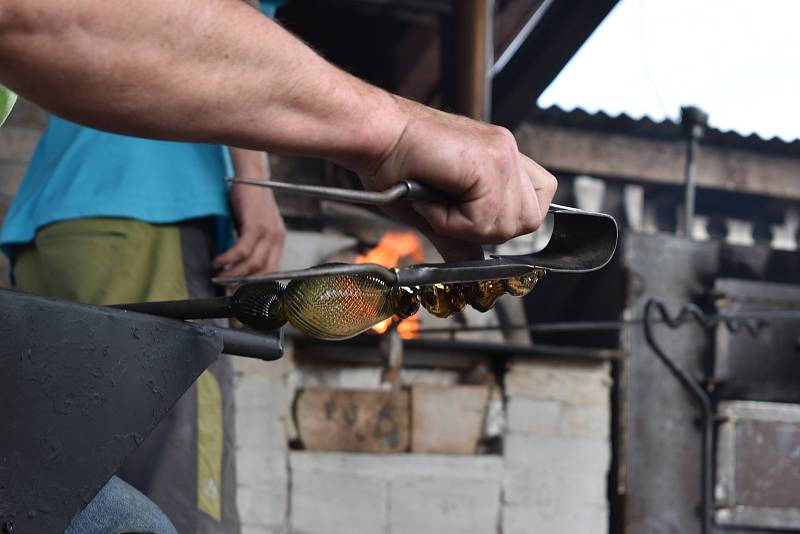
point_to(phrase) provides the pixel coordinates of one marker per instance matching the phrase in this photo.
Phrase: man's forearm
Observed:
(214, 71)
(196, 71)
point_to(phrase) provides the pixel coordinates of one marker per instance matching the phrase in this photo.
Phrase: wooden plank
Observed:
(646, 160)
(353, 420)
(447, 419)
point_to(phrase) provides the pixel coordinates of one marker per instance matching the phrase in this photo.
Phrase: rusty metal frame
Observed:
(729, 512)
(695, 387)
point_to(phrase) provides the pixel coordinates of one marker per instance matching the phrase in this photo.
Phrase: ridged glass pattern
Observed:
(337, 307)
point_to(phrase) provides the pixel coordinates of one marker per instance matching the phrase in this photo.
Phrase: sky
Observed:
(738, 60)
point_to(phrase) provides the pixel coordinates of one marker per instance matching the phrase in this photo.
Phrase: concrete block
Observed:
(251, 367)
(258, 467)
(525, 415)
(447, 419)
(571, 383)
(271, 529)
(565, 519)
(442, 505)
(393, 466)
(561, 455)
(311, 376)
(255, 429)
(268, 393)
(424, 493)
(546, 487)
(326, 502)
(547, 418)
(263, 507)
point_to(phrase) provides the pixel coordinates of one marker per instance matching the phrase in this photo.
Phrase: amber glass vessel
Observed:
(339, 307)
(442, 300)
(522, 285)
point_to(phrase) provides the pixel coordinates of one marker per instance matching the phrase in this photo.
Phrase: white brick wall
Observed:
(551, 478)
(263, 402)
(394, 494)
(556, 449)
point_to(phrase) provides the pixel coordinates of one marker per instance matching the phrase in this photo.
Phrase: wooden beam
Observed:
(653, 161)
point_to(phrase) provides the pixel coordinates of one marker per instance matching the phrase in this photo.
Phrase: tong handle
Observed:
(417, 191)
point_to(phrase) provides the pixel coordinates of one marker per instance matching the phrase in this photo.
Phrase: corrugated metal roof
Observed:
(666, 130)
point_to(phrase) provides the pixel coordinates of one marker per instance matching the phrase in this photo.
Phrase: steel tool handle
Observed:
(405, 190)
(418, 191)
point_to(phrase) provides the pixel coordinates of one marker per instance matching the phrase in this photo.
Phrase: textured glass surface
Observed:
(483, 295)
(522, 285)
(255, 305)
(337, 307)
(443, 300)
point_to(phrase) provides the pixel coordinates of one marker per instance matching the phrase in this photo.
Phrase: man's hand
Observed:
(259, 246)
(498, 192)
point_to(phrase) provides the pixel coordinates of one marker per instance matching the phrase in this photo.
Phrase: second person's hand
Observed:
(261, 231)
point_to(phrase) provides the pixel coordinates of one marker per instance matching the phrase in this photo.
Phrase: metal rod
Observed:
(694, 122)
(208, 308)
(516, 349)
(251, 345)
(695, 390)
(384, 274)
(520, 38)
(732, 321)
(691, 186)
(405, 190)
(443, 349)
(355, 196)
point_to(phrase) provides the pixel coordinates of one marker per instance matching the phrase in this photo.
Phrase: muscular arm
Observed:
(211, 71)
(205, 71)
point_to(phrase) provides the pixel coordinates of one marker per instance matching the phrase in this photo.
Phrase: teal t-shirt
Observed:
(78, 172)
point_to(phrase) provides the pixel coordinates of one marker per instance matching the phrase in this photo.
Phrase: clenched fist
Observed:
(498, 192)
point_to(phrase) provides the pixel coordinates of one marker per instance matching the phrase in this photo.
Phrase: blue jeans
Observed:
(118, 508)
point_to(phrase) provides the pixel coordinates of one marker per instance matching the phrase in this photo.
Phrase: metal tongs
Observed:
(581, 242)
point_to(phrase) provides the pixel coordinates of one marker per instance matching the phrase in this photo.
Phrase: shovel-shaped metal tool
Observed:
(581, 242)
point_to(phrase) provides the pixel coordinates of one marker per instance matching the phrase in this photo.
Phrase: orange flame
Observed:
(393, 247)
